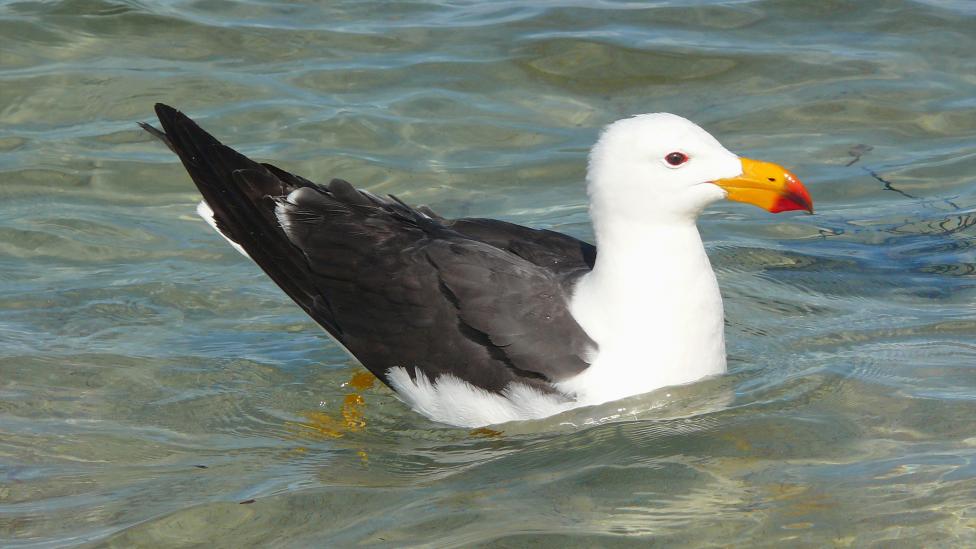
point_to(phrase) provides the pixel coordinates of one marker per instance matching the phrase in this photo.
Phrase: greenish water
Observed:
(151, 379)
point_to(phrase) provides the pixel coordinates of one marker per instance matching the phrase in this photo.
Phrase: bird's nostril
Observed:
(773, 179)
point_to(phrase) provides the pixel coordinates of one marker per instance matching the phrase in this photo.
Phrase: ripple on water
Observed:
(157, 390)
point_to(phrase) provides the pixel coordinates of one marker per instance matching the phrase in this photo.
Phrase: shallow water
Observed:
(153, 382)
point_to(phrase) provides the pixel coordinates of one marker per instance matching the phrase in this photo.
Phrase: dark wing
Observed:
(563, 254)
(395, 286)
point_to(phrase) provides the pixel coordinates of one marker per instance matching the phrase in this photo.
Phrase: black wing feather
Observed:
(482, 300)
(238, 190)
(560, 253)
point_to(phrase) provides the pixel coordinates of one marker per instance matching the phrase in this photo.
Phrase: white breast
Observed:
(655, 313)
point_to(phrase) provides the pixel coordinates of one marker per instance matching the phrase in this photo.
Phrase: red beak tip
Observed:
(791, 203)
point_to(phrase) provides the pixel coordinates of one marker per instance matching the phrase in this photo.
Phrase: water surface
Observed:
(153, 382)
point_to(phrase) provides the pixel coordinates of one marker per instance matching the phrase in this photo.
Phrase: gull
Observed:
(475, 321)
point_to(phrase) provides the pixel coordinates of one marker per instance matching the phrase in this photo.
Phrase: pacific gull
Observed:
(475, 321)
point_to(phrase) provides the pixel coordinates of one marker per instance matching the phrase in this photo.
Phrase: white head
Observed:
(662, 168)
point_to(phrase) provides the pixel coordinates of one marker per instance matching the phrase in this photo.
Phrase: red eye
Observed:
(676, 158)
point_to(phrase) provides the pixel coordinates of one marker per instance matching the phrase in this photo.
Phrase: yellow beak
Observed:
(767, 185)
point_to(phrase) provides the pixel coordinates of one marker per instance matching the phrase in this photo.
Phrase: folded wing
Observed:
(483, 300)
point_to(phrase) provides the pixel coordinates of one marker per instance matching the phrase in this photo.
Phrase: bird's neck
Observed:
(653, 306)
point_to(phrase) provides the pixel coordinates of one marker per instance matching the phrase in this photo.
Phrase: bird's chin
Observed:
(699, 196)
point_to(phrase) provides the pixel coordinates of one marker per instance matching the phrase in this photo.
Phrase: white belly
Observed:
(456, 402)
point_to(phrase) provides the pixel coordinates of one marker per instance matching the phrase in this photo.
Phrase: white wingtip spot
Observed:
(204, 211)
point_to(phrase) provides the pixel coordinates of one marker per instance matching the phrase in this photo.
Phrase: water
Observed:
(153, 382)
